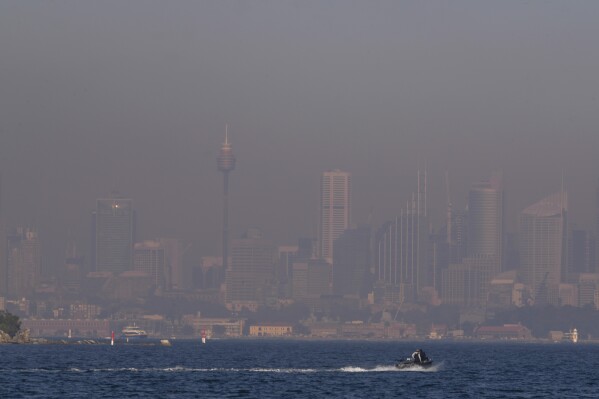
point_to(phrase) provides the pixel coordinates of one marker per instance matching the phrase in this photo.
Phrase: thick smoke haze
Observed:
(135, 95)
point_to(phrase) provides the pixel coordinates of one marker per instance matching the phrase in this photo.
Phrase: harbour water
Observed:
(288, 369)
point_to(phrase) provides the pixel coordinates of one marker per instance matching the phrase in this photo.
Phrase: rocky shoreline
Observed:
(21, 337)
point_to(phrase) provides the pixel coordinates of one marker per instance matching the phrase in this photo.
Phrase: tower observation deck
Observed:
(226, 160)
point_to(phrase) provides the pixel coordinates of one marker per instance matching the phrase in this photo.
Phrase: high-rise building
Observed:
(543, 246)
(288, 254)
(225, 163)
(478, 258)
(3, 254)
(400, 256)
(252, 271)
(485, 219)
(459, 235)
(149, 257)
(351, 263)
(114, 234)
(311, 279)
(401, 250)
(24, 265)
(588, 289)
(460, 285)
(209, 275)
(73, 270)
(485, 223)
(581, 252)
(597, 211)
(335, 209)
(177, 278)
(597, 224)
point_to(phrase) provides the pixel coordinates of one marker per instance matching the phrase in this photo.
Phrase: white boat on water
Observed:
(571, 336)
(133, 332)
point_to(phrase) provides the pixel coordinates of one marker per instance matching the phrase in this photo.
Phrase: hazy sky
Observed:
(134, 95)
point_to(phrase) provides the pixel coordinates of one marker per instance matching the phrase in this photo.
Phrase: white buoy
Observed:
(203, 336)
(112, 339)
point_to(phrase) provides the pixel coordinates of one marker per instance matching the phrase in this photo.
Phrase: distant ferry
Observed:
(133, 332)
(571, 336)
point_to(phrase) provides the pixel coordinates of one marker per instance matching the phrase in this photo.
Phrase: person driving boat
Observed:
(419, 356)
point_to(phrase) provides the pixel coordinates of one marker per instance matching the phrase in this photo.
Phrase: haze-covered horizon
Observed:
(134, 96)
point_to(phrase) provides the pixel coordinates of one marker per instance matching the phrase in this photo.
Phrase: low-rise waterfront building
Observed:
(271, 330)
(507, 331)
(215, 326)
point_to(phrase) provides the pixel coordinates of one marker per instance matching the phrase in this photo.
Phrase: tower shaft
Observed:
(225, 243)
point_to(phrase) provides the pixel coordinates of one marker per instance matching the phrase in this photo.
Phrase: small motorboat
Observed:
(411, 363)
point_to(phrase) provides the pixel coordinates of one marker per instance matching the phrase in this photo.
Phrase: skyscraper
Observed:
(351, 260)
(73, 270)
(581, 251)
(252, 271)
(225, 163)
(24, 265)
(177, 277)
(458, 237)
(485, 222)
(597, 226)
(597, 211)
(114, 234)
(3, 254)
(483, 247)
(335, 209)
(149, 257)
(543, 250)
(311, 278)
(401, 249)
(401, 254)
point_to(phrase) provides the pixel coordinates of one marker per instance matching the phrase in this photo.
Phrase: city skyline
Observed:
(411, 202)
(409, 261)
(264, 198)
(124, 104)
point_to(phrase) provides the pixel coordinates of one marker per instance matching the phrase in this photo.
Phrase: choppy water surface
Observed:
(276, 369)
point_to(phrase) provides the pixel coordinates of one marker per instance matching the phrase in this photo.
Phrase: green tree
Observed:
(9, 323)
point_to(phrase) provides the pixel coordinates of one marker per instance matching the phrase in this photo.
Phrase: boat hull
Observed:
(410, 364)
(134, 337)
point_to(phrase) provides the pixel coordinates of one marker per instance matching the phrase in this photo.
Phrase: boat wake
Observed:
(354, 369)
(432, 369)
(181, 369)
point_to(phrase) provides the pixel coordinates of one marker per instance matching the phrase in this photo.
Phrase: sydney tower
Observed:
(226, 163)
